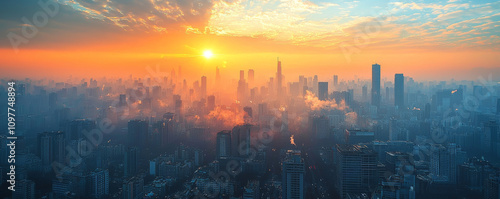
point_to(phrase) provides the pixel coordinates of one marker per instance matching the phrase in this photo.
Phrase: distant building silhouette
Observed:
(399, 89)
(375, 85)
(223, 148)
(323, 91)
(293, 175)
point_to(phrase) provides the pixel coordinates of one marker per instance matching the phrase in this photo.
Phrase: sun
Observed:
(208, 54)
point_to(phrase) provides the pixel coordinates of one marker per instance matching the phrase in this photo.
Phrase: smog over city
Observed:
(290, 99)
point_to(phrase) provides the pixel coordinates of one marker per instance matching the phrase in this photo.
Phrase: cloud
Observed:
(153, 15)
(377, 25)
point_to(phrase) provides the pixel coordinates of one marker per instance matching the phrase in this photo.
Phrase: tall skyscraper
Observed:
(279, 79)
(242, 87)
(51, 147)
(335, 81)
(218, 79)
(130, 161)
(399, 90)
(375, 85)
(356, 170)
(251, 76)
(293, 175)
(498, 106)
(164, 130)
(240, 140)
(123, 100)
(323, 91)
(74, 129)
(223, 149)
(365, 93)
(315, 85)
(137, 132)
(99, 183)
(491, 138)
(203, 90)
(210, 103)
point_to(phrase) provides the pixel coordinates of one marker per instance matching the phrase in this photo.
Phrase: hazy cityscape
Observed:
(288, 137)
(245, 99)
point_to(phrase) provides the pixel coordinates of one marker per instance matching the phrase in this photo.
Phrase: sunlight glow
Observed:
(208, 54)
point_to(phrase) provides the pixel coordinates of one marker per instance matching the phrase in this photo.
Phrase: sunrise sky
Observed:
(114, 38)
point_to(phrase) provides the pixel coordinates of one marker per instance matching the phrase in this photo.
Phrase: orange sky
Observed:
(82, 41)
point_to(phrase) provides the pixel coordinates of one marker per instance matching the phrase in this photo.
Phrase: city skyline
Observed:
(223, 99)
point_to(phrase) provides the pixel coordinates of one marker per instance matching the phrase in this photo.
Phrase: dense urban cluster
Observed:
(165, 136)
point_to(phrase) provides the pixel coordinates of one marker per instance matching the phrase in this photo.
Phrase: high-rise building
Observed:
(223, 149)
(491, 138)
(218, 79)
(399, 90)
(335, 81)
(242, 87)
(240, 140)
(123, 100)
(130, 161)
(210, 103)
(133, 188)
(163, 131)
(293, 175)
(375, 85)
(365, 93)
(315, 85)
(137, 132)
(279, 79)
(51, 147)
(248, 111)
(99, 183)
(76, 128)
(427, 111)
(323, 91)
(203, 90)
(498, 106)
(492, 187)
(356, 170)
(251, 76)
(25, 189)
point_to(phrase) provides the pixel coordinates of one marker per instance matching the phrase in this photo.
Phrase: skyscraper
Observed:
(365, 93)
(51, 147)
(218, 79)
(315, 85)
(130, 161)
(293, 175)
(240, 140)
(498, 106)
(123, 100)
(335, 81)
(137, 132)
(251, 76)
(223, 149)
(210, 103)
(375, 85)
(323, 91)
(399, 89)
(242, 87)
(203, 90)
(356, 170)
(99, 183)
(279, 79)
